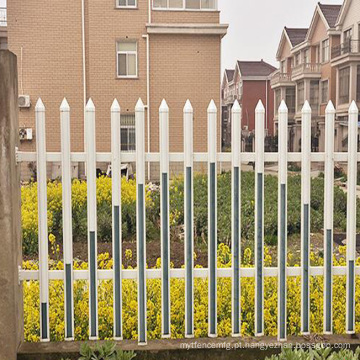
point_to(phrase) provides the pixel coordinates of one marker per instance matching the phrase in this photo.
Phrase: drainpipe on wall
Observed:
(266, 108)
(148, 85)
(147, 106)
(83, 62)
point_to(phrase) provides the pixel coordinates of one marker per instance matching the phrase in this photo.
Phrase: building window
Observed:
(344, 84)
(185, 4)
(358, 84)
(306, 56)
(277, 100)
(127, 3)
(324, 91)
(300, 95)
(348, 34)
(325, 47)
(127, 59)
(127, 132)
(290, 99)
(297, 59)
(314, 96)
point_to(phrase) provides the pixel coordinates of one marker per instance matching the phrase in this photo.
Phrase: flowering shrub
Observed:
(128, 192)
(130, 305)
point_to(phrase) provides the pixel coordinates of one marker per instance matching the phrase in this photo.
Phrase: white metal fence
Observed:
(236, 272)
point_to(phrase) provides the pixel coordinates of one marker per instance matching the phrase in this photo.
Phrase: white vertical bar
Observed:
(236, 218)
(140, 216)
(259, 218)
(212, 218)
(189, 220)
(328, 216)
(42, 220)
(116, 215)
(67, 219)
(165, 223)
(351, 217)
(91, 213)
(282, 219)
(305, 216)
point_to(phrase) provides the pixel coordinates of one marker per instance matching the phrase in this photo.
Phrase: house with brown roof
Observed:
(248, 82)
(306, 73)
(345, 59)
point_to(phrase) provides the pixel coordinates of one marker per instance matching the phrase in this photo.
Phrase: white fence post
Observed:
(165, 224)
(212, 218)
(67, 219)
(236, 217)
(282, 220)
(328, 216)
(259, 218)
(116, 215)
(42, 214)
(141, 221)
(351, 218)
(189, 220)
(305, 216)
(92, 222)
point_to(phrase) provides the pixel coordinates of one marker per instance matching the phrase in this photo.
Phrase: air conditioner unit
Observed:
(24, 101)
(25, 134)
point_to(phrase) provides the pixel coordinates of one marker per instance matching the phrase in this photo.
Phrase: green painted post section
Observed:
(237, 313)
(141, 264)
(165, 255)
(213, 246)
(260, 255)
(117, 280)
(306, 279)
(189, 254)
(351, 295)
(328, 280)
(69, 302)
(283, 263)
(93, 292)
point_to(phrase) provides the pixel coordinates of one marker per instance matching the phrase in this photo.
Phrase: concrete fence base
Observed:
(192, 349)
(11, 313)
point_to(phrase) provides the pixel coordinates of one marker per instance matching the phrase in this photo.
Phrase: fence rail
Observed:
(212, 273)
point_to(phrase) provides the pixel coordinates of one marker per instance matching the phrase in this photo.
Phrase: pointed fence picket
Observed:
(90, 157)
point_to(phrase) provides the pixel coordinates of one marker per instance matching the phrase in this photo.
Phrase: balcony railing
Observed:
(306, 69)
(348, 47)
(280, 77)
(3, 16)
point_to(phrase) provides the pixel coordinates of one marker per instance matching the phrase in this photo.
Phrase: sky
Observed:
(255, 26)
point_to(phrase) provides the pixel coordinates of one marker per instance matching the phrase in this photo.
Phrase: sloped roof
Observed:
(255, 68)
(331, 13)
(230, 74)
(296, 35)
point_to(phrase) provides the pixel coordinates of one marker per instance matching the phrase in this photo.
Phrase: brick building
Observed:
(248, 82)
(122, 49)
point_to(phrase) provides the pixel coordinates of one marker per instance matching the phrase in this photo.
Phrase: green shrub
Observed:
(104, 209)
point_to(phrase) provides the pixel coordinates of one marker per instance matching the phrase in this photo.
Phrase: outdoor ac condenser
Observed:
(24, 101)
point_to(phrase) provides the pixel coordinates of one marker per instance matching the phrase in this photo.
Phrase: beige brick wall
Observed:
(181, 67)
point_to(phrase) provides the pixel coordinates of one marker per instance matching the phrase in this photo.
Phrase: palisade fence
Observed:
(212, 157)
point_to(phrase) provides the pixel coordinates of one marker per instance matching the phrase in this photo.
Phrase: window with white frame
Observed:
(344, 85)
(185, 4)
(324, 91)
(127, 132)
(127, 59)
(126, 3)
(325, 51)
(306, 56)
(300, 95)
